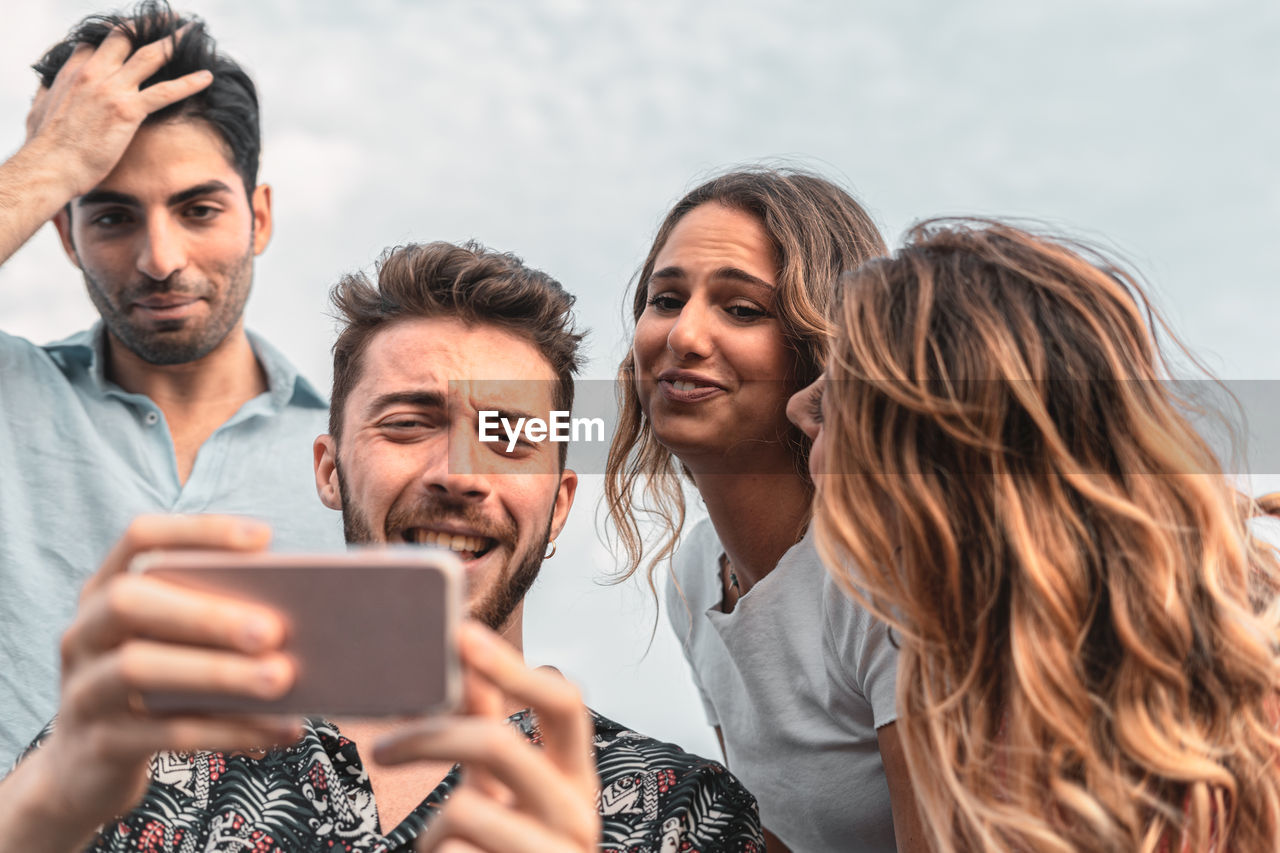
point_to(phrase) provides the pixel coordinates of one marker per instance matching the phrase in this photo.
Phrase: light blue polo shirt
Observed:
(80, 457)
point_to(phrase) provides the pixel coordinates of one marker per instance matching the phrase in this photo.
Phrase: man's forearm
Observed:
(32, 190)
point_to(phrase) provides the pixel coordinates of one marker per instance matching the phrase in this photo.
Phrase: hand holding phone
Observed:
(515, 795)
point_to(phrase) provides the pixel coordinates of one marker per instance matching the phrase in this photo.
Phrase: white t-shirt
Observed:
(798, 677)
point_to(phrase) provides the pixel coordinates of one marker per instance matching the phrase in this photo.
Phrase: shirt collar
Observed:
(85, 348)
(285, 385)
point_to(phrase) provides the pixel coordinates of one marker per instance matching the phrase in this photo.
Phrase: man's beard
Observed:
(176, 341)
(506, 590)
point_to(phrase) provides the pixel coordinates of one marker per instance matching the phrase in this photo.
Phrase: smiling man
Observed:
(142, 147)
(451, 332)
(404, 415)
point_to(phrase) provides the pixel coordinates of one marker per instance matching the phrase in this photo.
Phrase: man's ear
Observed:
(564, 500)
(325, 451)
(62, 222)
(261, 217)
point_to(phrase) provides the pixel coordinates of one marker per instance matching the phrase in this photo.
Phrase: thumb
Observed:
(152, 532)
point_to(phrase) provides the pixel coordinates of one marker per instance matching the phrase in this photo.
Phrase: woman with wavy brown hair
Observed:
(1088, 630)
(730, 313)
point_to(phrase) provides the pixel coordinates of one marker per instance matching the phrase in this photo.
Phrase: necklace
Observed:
(729, 578)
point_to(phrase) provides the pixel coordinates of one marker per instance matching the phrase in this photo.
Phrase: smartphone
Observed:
(370, 630)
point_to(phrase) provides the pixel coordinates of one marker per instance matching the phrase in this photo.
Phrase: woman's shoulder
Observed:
(849, 623)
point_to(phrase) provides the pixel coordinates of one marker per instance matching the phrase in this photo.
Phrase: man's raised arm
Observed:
(79, 127)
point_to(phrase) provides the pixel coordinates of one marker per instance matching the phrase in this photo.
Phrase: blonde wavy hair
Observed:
(818, 231)
(1087, 626)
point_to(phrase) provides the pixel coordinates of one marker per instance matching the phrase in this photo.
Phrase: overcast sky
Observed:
(563, 129)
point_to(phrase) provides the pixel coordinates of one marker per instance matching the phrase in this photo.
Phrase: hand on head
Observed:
(96, 104)
(515, 796)
(133, 635)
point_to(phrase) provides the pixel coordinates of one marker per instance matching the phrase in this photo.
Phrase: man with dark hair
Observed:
(458, 289)
(448, 332)
(142, 147)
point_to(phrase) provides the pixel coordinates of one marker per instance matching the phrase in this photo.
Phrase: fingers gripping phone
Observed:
(370, 631)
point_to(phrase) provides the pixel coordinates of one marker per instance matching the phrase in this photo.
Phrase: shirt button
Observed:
(152, 419)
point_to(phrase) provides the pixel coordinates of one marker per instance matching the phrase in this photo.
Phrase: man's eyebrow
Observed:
(106, 197)
(512, 415)
(207, 188)
(421, 399)
(113, 197)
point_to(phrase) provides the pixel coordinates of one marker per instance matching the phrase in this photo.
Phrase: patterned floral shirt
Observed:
(316, 796)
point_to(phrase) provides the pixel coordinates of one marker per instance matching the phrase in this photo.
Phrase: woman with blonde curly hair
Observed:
(1087, 627)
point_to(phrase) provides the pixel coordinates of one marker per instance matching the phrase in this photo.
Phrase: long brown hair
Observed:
(1088, 635)
(818, 231)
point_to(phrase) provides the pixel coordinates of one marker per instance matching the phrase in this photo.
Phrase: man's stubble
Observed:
(175, 343)
(506, 591)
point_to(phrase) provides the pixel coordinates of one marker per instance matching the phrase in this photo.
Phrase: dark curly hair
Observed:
(229, 104)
